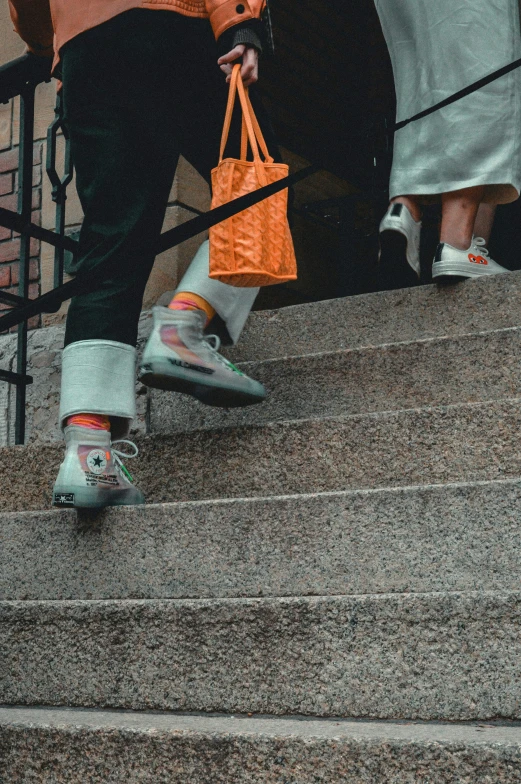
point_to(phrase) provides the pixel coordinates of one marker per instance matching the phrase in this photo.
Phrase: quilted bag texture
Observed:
(253, 248)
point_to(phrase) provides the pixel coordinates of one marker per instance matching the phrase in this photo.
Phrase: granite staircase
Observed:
(324, 588)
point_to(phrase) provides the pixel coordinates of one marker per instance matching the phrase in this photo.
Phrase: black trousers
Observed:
(138, 91)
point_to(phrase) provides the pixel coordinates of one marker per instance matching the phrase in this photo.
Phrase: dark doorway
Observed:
(330, 93)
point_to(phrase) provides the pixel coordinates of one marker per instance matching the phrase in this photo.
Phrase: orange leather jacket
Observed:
(46, 25)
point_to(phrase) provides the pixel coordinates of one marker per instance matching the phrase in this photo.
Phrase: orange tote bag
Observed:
(254, 247)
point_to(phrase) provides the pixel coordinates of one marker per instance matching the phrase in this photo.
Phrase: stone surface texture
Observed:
(338, 564)
(436, 371)
(383, 317)
(333, 326)
(433, 445)
(103, 747)
(435, 656)
(443, 538)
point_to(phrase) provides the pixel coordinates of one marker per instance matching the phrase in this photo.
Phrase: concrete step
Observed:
(385, 317)
(460, 443)
(433, 656)
(437, 371)
(50, 745)
(416, 539)
(350, 323)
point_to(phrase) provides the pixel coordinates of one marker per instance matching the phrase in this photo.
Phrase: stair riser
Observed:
(385, 317)
(77, 756)
(435, 446)
(368, 320)
(389, 378)
(452, 538)
(425, 656)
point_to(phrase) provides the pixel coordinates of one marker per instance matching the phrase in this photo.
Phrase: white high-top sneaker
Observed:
(400, 240)
(180, 358)
(92, 475)
(451, 263)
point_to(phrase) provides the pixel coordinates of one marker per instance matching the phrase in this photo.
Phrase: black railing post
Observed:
(25, 194)
(59, 184)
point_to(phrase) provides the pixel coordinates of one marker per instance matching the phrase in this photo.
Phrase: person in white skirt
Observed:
(465, 154)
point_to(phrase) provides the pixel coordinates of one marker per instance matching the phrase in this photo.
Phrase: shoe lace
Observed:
(213, 344)
(480, 244)
(118, 454)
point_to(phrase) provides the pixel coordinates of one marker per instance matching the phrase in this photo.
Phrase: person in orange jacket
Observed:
(142, 84)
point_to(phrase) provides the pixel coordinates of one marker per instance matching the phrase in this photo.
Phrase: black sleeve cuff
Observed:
(247, 36)
(250, 33)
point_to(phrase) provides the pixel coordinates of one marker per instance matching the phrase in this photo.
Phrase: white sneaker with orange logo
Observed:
(92, 475)
(450, 263)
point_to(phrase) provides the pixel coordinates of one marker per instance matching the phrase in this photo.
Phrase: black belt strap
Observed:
(85, 282)
(472, 88)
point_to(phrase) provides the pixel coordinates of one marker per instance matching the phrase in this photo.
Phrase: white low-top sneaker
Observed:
(92, 475)
(400, 242)
(180, 358)
(474, 262)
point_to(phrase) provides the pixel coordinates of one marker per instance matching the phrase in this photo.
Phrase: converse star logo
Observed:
(64, 498)
(97, 461)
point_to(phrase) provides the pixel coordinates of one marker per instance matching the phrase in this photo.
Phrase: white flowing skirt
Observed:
(437, 47)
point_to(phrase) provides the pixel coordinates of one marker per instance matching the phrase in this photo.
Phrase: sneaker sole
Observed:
(454, 271)
(395, 271)
(158, 376)
(83, 498)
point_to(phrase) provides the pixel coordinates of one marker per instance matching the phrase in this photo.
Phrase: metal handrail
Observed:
(20, 77)
(86, 282)
(23, 72)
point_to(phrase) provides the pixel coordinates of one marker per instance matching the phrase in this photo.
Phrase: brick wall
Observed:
(10, 241)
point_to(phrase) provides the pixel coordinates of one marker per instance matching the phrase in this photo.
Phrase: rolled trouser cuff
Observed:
(232, 304)
(99, 377)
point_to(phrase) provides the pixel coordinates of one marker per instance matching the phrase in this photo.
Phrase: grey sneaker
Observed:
(400, 244)
(475, 262)
(92, 475)
(180, 358)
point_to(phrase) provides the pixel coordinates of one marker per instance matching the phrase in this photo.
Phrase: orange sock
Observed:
(90, 421)
(185, 300)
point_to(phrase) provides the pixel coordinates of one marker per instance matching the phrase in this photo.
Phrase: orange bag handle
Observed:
(250, 125)
(257, 130)
(229, 112)
(248, 113)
